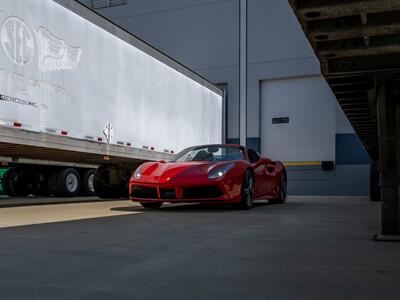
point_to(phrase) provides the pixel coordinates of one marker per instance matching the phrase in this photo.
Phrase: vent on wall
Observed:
(96, 4)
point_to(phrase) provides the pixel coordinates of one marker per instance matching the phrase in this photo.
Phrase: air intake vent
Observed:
(167, 194)
(202, 192)
(96, 4)
(144, 192)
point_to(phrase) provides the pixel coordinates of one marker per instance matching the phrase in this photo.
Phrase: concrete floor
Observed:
(309, 248)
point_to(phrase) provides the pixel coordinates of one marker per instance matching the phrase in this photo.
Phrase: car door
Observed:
(260, 171)
(272, 176)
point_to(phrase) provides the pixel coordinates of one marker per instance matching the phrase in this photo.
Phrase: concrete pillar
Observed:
(388, 124)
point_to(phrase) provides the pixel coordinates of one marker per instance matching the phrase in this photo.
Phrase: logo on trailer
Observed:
(54, 53)
(19, 44)
(17, 40)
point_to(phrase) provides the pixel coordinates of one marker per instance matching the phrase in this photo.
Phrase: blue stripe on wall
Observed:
(350, 151)
(233, 141)
(253, 143)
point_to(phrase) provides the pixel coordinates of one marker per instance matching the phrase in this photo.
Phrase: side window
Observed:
(253, 156)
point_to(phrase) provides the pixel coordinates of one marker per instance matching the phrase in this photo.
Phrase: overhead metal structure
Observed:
(358, 46)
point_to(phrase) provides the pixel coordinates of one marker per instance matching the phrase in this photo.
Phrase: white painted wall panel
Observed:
(59, 71)
(311, 108)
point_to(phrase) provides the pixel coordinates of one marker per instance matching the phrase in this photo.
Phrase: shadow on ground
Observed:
(190, 208)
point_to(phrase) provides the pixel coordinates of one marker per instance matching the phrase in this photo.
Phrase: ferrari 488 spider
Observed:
(211, 173)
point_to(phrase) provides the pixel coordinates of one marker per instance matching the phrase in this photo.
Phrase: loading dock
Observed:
(357, 45)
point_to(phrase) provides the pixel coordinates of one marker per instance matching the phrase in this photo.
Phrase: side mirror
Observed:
(162, 161)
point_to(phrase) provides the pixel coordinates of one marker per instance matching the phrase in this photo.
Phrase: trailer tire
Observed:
(14, 184)
(52, 184)
(5, 183)
(88, 183)
(40, 183)
(68, 182)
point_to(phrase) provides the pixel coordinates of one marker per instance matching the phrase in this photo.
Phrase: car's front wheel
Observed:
(247, 191)
(152, 205)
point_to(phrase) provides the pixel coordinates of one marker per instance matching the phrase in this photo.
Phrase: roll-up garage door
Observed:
(298, 120)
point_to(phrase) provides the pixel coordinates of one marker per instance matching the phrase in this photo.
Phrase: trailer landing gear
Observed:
(112, 181)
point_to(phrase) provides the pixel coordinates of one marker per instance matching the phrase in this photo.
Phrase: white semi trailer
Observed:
(78, 92)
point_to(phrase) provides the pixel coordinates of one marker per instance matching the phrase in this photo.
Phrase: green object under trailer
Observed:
(2, 171)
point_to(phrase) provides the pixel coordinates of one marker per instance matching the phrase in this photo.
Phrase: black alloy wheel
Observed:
(247, 191)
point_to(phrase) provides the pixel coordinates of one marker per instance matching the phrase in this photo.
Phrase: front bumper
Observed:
(183, 193)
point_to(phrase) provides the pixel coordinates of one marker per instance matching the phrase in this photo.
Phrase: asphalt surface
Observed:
(309, 248)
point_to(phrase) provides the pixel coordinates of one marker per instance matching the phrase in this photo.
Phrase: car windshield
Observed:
(210, 153)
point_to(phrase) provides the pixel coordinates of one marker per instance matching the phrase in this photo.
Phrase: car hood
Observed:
(170, 172)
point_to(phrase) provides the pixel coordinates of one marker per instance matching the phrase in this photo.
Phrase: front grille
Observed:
(144, 192)
(167, 194)
(202, 192)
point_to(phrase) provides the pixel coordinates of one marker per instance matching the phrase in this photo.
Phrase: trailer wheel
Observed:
(52, 184)
(5, 183)
(88, 183)
(40, 183)
(15, 184)
(68, 182)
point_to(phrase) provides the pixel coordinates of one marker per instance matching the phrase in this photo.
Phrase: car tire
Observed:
(68, 182)
(88, 183)
(247, 191)
(282, 192)
(152, 205)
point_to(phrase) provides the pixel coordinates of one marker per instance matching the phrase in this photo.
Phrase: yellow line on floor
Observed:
(41, 214)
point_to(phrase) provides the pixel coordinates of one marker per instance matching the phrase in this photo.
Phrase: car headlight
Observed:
(138, 173)
(220, 172)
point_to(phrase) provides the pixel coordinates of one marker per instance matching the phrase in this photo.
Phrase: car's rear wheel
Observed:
(282, 191)
(152, 205)
(247, 191)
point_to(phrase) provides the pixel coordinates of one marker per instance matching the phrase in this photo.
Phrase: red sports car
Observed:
(211, 173)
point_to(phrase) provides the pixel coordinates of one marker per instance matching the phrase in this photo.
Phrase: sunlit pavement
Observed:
(309, 248)
(40, 214)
